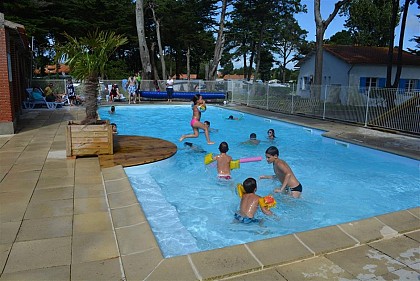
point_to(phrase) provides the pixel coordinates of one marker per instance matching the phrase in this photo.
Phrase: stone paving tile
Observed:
(44, 228)
(122, 199)
(114, 173)
(52, 208)
(165, 271)
(326, 239)
(282, 249)
(8, 158)
(136, 238)
(26, 168)
(12, 212)
(4, 253)
(54, 193)
(318, 268)
(138, 266)
(57, 172)
(402, 249)
(414, 235)
(126, 216)
(400, 221)
(94, 246)
(368, 230)
(225, 261)
(97, 270)
(90, 205)
(91, 222)
(48, 182)
(400, 274)
(26, 255)
(56, 273)
(57, 164)
(270, 274)
(118, 185)
(89, 190)
(8, 231)
(364, 262)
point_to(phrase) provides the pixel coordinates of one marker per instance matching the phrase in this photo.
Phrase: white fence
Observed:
(394, 109)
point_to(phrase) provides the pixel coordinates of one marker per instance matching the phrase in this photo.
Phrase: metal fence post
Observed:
(325, 101)
(367, 106)
(267, 92)
(293, 95)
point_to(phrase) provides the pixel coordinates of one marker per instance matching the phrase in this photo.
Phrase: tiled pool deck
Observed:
(66, 219)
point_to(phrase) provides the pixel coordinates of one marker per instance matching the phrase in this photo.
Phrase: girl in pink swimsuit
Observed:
(195, 121)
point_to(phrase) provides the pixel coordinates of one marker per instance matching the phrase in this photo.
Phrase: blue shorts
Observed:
(245, 220)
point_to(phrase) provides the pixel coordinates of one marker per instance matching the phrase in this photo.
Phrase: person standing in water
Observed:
(195, 123)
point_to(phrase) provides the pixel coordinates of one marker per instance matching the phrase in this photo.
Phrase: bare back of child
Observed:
(223, 161)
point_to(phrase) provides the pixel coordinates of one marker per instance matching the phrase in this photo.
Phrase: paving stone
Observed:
(97, 270)
(56, 273)
(44, 228)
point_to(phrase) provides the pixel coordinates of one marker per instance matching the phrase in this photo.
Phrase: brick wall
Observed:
(5, 100)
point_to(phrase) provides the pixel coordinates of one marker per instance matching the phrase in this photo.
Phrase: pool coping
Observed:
(142, 259)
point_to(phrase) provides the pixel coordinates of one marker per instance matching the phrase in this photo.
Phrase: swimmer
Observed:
(249, 203)
(283, 172)
(207, 123)
(112, 110)
(271, 134)
(114, 128)
(252, 139)
(195, 121)
(223, 161)
(194, 147)
(232, 118)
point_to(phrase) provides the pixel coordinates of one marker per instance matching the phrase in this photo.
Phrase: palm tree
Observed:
(87, 58)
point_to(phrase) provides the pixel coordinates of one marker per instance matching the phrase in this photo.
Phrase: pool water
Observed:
(190, 210)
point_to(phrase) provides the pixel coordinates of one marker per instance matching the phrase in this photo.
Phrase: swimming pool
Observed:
(190, 210)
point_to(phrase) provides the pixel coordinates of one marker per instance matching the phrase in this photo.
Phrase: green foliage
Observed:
(340, 38)
(88, 55)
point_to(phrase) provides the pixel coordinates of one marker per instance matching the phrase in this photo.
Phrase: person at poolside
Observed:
(207, 123)
(131, 88)
(249, 203)
(114, 128)
(252, 139)
(49, 95)
(194, 147)
(112, 110)
(114, 94)
(195, 121)
(170, 88)
(283, 173)
(71, 94)
(223, 161)
(271, 134)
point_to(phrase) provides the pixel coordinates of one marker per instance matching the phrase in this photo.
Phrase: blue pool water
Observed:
(190, 210)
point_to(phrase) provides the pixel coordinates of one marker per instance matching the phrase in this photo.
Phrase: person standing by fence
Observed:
(169, 88)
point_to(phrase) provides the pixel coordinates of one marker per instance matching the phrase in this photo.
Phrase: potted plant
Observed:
(87, 58)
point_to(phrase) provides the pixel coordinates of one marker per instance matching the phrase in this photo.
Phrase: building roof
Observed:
(366, 55)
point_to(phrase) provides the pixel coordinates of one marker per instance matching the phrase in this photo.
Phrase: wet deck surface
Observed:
(137, 150)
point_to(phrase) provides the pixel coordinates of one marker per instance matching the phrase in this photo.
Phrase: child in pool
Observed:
(112, 110)
(249, 203)
(223, 161)
(271, 134)
(195, 121)
(283, 172)
(252, 139)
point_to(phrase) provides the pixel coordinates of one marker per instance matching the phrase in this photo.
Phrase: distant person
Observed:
(283, 173)
(223, 161)
(112, 110)
(207, 123)
(271, 135)
(114, 94)
(114, 128)
(131, 88)
(170, 88)
(195, 121)
(48, 91)
(249, 203)
(231, 117)
(71, 94)
(194, 147)
(138, 82)
(252, 139)
(156, 84)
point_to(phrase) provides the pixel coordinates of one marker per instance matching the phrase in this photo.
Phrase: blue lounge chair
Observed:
(35, 98)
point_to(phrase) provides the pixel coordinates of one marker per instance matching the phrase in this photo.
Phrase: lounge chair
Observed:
(35, 98)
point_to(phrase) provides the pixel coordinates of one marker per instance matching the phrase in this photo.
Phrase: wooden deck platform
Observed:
(137, 150)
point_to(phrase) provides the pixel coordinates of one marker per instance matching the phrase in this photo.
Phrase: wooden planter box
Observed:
(84, 140)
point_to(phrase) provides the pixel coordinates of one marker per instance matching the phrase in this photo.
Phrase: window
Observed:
(371, 82)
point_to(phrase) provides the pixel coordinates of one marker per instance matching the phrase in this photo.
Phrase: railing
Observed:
(394, 109)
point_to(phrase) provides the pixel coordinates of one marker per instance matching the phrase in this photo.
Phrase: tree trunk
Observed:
(161, 55)
(251, 61)
(91, 105)
(144, 51)
(257, 65)
(152, 61)
(218, 49)
(321, 26)
(395, 6)
(188, 63)
(401, 45)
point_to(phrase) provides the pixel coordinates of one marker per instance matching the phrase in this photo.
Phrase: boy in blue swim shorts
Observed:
(249, 203)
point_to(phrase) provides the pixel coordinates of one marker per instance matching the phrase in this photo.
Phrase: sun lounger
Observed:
(34, 100)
